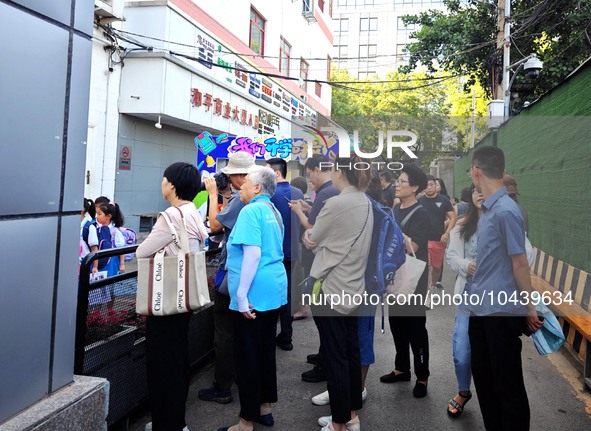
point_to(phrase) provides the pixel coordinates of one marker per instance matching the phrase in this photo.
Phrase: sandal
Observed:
(459, 407)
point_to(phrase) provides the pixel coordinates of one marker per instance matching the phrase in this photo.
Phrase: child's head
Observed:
(89, 208)
(107, 213)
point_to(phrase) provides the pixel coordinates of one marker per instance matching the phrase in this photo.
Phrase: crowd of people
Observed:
(278, 244)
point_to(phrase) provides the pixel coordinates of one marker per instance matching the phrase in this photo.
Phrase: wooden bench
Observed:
(576, 316)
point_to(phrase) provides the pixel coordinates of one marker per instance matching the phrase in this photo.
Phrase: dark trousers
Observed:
(285, 318)
(167, 363)
(340, 354)
(225, 371)
(497, 372)
(411, 331)
(256, 371)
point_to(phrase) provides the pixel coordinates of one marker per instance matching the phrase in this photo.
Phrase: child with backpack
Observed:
(88, 232)
(109, 219)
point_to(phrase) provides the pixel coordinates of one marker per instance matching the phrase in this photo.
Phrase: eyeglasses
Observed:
(469, 170)
(401, 181)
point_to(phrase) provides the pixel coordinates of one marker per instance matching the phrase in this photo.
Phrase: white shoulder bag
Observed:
(172, 284)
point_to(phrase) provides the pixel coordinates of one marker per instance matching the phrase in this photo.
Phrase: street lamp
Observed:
(531, 64)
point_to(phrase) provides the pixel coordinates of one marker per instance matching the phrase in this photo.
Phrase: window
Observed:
(342, 52)
(318, 89)
(304, 69)
(368, 24)
(257, 32)
(321, 5)
(341, 25)
(368, 53)
(365, 75)
(402, 53)
(404, 28)
(284, 56)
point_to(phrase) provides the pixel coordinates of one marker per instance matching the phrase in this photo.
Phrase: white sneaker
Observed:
(323, 399)
(326, 423)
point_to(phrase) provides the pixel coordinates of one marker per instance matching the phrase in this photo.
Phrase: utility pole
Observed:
(501, 37)
(507, 60)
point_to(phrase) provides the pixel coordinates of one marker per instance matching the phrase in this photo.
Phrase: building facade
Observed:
(235, 68)
(370, 36)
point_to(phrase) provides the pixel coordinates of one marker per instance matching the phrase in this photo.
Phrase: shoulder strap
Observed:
(274, 211)
(408, 216)
(180, 240)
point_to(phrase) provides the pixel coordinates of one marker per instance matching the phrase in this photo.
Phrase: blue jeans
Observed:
(461, 351)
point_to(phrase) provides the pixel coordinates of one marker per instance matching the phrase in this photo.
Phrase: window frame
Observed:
(282, 44)
(304, 73)
(253, 22)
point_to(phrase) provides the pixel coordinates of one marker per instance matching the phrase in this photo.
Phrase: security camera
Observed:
(533, 67)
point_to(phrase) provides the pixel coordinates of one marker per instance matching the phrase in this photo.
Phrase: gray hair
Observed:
(265, 177)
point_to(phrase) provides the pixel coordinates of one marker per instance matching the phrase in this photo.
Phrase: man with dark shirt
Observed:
(388, 192)
(439, 209)
(284, 194)
(320, 178)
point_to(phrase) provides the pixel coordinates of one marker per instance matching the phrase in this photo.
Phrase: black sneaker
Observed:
(315, 375)
(313, 359)
(420, 390)
(393, 377)
(283, 343)
(213, 393)
(284, 346)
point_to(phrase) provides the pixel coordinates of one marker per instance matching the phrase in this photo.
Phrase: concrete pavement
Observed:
(557, 401)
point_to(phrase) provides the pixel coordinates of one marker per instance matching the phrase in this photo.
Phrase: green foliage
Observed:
(463, 40)
(410, 102)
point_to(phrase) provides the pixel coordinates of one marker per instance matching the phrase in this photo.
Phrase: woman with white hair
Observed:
(255, 258)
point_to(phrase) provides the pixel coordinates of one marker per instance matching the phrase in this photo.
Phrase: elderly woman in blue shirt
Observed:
(257, 284)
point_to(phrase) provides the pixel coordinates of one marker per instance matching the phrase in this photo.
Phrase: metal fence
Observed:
(110, 336)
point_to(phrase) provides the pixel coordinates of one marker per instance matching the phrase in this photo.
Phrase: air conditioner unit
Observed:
(108, 10)
(308, 10)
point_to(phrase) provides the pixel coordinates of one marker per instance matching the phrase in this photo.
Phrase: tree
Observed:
(462, 40)
(411, 102)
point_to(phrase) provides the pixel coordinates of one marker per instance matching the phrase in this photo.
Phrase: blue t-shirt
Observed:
(283, 194)
(500, 235)
(257, 225)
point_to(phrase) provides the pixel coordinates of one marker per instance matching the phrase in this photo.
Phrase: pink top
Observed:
(160, 236)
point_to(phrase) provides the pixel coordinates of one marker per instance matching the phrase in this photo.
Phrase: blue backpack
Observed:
(105, 242)
(387, 252)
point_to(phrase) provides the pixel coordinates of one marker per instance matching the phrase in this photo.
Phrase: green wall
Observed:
(548, 151)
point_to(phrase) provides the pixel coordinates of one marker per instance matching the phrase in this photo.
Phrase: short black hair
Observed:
(416, 177)
(300, 183)
(430, 178)
(490, 160)
(314, 162)
(466, 195)
(386, 176)
(185, 178)
(278, 164)
(102, 200)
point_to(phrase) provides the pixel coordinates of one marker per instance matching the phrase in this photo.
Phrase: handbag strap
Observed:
(409, 215)
(180, 239)
(360, 232)
(274, 211)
